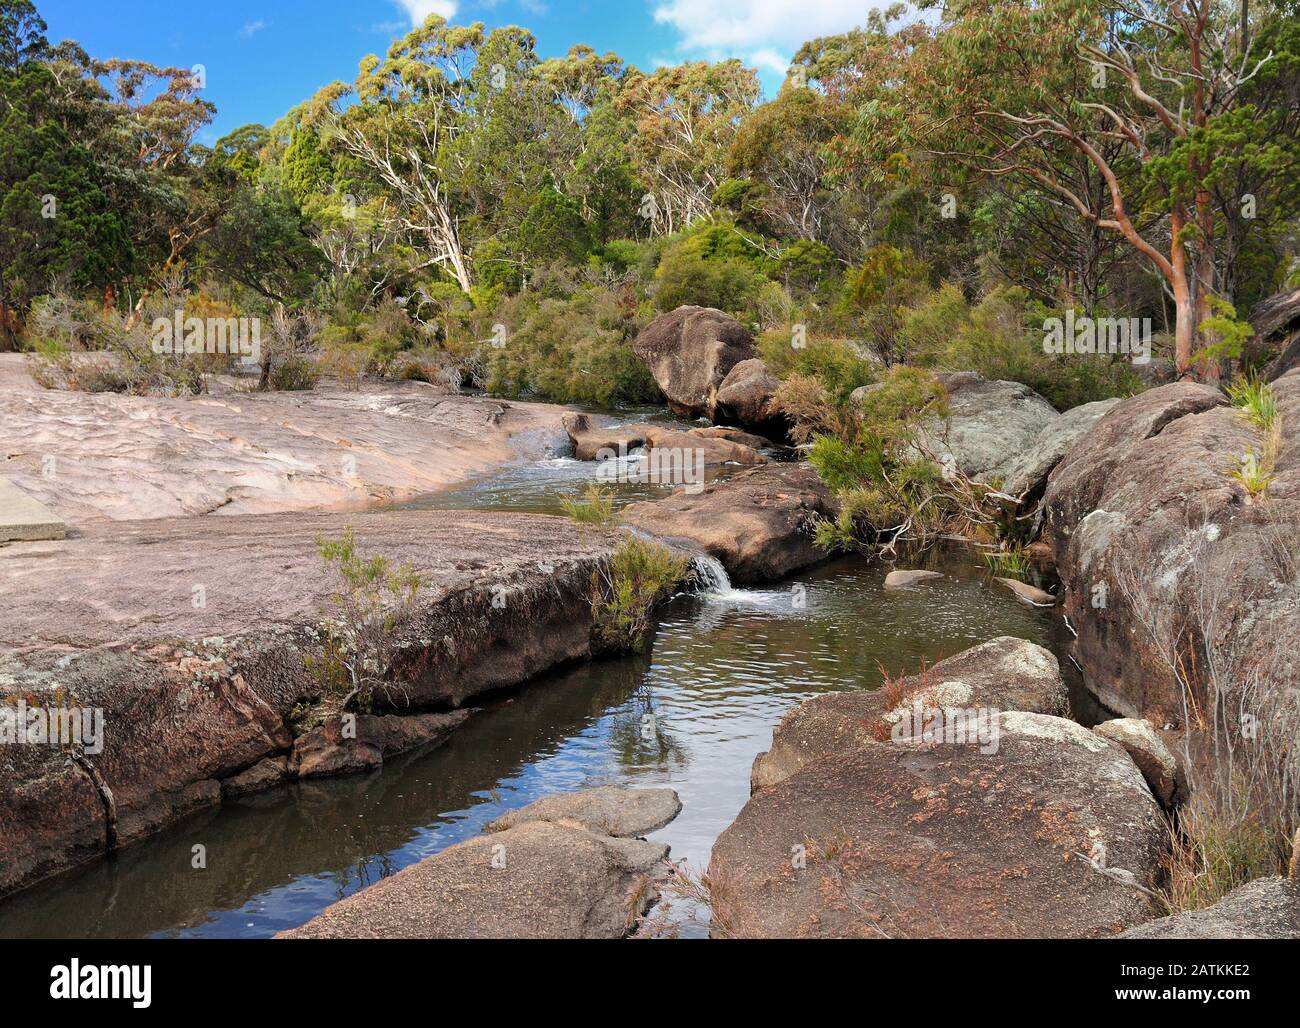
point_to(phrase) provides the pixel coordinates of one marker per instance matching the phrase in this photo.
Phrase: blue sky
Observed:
(264, 56)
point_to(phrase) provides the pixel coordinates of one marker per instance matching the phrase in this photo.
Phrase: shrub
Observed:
(372, 600)
(571, 350)
(996, 338)
(594, 507)
(625, 593)
(836, 364)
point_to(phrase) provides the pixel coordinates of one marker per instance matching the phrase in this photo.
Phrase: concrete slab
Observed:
(23, 519)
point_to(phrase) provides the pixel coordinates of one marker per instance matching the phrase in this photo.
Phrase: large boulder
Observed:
(1002, 674)
(990, 425)
(1050, 832)
(1025, 476)
(1276, 321)
(689, 352)
(1162, 551)
(1158, 765)
(745, 398)
(594, 442)
(1268, 908)
(548, 871)
(758, 524)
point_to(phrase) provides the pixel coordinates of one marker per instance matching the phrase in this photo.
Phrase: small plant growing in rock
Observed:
(371, 601)
(594, 507)
(625, 592)
(1254, 475)
(1256, 401)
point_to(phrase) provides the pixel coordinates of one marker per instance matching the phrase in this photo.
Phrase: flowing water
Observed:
(691, 714)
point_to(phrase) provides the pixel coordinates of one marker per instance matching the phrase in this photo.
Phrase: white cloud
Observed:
(418, 10)
(252, 29)
(758, 27)
(770, 59)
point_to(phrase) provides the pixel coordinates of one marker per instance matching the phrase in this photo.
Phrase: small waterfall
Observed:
(709, 575)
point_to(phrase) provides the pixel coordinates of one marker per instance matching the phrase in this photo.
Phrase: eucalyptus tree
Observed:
(1140, 89)
(686, 119)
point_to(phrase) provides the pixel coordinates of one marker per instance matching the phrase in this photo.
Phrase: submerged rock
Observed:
(899, 579)
(1002, 674)
(759, 524)
(689, 352)
(1050, 833)
(1027, 593)
(715, 446)
(589, 438)
(541, 876)
(733, 435)
(1268, 908)
(609, 810)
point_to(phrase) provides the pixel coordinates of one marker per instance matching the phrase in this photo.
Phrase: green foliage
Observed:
(372, 600)
(625, 593)
(884, 486)
(998, 339)
(725, 277)
(837, 365)
(1225, 334)
(594, 507)
(1254, 475)
(574, 349)
(1255, 398)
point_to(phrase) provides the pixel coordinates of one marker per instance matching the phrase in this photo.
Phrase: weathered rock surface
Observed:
(1025, 476)
(1002, 674)
(589, 438)
(1145, 513)
(101, 456)
(715, 449)
(592, 441)
(327, 750)
(1268, 908)
(991, 424)
(1153, 758)
(745, 398)
(734, 435)
(543, 876)
(1276, 321)
(689, 352)
(193, 638)
(758, 524)
(1047, 837)
(612, 810)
